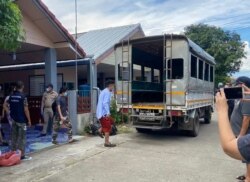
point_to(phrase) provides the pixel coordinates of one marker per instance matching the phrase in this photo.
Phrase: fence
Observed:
(83, 106)
(83, 102)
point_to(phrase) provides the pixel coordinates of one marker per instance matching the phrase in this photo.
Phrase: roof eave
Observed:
(60, 27)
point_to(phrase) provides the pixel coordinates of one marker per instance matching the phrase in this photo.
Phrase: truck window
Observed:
(206, 71)
(147, 74)
(156, 76)
(193, 66)
(137, 72)
(211, 74)
(201, 69)
(177, 68)
(123, 71)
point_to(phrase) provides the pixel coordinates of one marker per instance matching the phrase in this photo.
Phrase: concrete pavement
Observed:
(155, 157)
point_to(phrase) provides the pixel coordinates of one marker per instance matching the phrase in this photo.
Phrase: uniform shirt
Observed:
(62, 102)
(49, 98)
(103, 106)
(17, 102)
(241, 109)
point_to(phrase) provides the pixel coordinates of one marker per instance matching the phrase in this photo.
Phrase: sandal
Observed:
(109, 145)
(71, 140)
(241, 178)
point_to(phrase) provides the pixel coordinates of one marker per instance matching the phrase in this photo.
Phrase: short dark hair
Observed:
(50, 85)
(63, 89)
(109, 82)
(19, 85)
(243, 79)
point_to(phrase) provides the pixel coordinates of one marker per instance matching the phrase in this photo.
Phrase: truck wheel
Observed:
(143, 130)
(196, 126)
(208, 116)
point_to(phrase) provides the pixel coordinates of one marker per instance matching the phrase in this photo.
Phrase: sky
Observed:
(157, 16)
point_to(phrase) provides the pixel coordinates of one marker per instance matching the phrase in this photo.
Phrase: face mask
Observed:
(48, 89)
(65, 94)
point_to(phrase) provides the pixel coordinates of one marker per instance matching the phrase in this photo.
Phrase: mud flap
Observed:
(187, 123)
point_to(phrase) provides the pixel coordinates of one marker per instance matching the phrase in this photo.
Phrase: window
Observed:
(206, 72)
(137, 72)
(200, 69)
(156, 76)
(177, 68)
(193, 66)
(123, 71)
(147, 74)
(211, 74)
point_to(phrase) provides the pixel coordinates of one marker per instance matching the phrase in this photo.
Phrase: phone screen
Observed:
(234, 93)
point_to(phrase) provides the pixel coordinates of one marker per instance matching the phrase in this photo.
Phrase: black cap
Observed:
(243, 80)
(49, 85)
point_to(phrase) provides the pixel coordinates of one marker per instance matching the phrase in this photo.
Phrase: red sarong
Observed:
(106, 123)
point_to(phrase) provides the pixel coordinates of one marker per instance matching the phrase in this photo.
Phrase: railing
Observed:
(83, 102)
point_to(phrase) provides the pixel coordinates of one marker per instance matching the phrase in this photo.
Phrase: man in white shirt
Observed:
(103, 112)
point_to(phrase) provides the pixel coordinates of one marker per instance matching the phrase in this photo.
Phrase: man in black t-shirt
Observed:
(62, 116)
(19, 113)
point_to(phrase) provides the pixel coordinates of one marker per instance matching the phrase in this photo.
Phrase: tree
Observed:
(10, 25)
(225, 46)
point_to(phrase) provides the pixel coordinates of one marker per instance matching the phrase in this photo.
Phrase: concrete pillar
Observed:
(51, 67)
(72, 106)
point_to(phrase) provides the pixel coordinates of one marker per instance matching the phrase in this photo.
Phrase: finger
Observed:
(222, 93)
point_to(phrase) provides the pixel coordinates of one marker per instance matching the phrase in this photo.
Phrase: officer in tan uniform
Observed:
(49, 97)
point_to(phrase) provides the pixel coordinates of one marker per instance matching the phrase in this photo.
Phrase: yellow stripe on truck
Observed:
(119, 92)
(176, 93)
(200, 100)
(153, 107)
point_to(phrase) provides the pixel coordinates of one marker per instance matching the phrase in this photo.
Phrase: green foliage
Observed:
(119, 117)
(225, 46)
(10, 25)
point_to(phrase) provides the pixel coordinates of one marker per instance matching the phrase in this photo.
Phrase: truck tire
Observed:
(196, 126)
(143, 130)
(208, 116)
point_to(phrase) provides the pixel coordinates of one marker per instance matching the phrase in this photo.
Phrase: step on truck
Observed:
(164, 81)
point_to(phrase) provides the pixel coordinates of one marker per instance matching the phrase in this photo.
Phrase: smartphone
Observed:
(234, 93)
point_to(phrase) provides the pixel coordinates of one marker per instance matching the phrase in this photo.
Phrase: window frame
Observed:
(211, 76)
(200, 60)
(141, 67)
(196, 67)
(168, 66)
(206, 74)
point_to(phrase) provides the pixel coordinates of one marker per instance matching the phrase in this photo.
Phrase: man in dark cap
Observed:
(49, 97)
(240, 117)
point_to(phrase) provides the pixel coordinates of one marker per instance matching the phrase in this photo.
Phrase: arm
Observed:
(59, 109)
(60, 113)
(42, 105)
(106, 106)
(245, 125)
(5, 107)
(27, 113)
(227, 138)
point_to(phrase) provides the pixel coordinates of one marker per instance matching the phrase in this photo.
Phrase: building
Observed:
(46, 42)
(100, 43)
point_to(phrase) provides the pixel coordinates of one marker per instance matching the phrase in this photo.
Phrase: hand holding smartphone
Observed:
(233, 93)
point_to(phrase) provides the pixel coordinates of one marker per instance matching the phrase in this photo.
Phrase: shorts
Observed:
(244, 147)
(106, 123)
